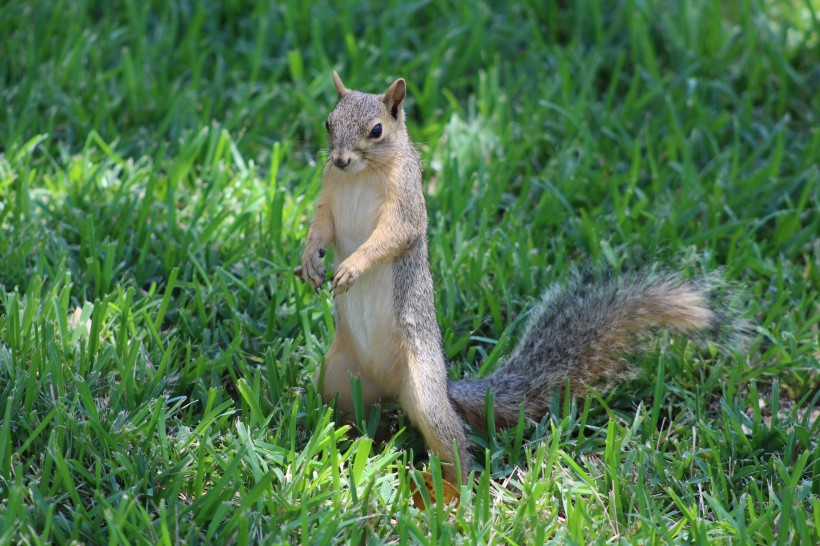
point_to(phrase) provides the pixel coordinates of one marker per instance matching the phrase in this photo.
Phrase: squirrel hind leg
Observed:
(339, 367)
(425, 401)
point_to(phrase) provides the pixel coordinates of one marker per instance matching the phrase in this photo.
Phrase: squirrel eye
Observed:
(376, 131)
(327, 126)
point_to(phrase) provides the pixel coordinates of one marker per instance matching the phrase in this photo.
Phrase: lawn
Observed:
(160, 162)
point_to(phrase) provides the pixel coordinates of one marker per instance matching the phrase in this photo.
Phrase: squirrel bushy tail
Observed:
(582, 332)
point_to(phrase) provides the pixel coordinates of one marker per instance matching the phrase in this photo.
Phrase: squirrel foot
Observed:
(345, 276)
(313, 268)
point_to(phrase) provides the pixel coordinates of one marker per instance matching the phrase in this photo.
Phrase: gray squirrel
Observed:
(372, 209)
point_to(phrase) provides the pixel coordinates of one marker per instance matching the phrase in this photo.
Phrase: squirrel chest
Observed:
(355, 206)
(366, 311)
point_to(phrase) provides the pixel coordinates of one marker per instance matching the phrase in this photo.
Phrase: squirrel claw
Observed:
(344, 278)
(313, 270)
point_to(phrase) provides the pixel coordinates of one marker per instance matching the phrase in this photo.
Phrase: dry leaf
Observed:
(448, 491)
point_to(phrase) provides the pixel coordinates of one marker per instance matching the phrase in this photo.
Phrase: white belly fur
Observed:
(366, 309)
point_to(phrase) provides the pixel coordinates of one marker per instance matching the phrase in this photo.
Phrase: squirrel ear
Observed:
(395, 97)
(340, 87)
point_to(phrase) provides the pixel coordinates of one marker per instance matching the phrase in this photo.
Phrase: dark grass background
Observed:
(158, 166)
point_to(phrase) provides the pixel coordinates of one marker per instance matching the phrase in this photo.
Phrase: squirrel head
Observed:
(366, 130)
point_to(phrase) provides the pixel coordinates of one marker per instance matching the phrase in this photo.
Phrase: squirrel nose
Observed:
(342, 162)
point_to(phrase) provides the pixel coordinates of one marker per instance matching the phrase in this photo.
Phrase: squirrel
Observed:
(372, 209)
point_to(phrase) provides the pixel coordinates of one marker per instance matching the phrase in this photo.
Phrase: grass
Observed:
(159, 163)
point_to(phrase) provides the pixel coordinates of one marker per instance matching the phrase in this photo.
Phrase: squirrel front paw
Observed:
(313, 267)
(345, 276)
